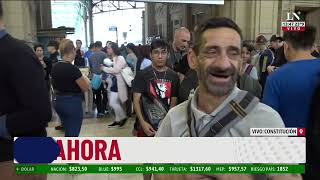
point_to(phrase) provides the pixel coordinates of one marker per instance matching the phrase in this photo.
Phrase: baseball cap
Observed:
(279, 38)
(261, 39)
(273, 38)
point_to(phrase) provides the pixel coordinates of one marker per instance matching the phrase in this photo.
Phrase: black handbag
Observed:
(153, 110)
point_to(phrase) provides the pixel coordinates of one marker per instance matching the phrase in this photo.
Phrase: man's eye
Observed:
(234, 53)
(211, 52)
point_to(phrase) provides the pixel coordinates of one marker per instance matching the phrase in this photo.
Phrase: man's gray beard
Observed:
(217, 89)
(220, 89)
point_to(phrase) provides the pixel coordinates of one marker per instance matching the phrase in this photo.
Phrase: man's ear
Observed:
(192, 59)
(240, 65)
(286, 46)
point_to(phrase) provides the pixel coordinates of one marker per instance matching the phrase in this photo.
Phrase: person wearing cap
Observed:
(273, 43)
(276, 42)
(262, 60)
(277, 49)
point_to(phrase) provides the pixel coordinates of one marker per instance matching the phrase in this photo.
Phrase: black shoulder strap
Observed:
(239, 109)
(189, 115)
(249, 69)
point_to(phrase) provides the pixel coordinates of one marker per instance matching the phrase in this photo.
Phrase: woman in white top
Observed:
(118, 91)
(246, 54)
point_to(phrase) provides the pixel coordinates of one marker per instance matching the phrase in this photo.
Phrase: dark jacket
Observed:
(79, 60)
(174, 58)
(182, 66)
(47, 71)
(265, 59)
(247, 83)
(53, 58)
(189, 83)
(47, 68)
(313, 140)
(24, 98)
(279, 57)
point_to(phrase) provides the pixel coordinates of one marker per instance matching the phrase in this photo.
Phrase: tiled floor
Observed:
(90, 128)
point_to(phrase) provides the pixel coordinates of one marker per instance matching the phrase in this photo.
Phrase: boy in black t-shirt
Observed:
(158, 81)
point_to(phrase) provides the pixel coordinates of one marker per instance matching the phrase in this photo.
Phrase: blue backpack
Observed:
(96, 81)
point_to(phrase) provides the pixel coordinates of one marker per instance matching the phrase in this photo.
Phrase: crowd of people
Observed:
(175, 90)
(165, 71)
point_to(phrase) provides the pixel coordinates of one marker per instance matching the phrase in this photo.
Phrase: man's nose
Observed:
(160, 55)
(223, 61)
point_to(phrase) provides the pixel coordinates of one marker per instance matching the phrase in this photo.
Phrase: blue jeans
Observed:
(69, 109)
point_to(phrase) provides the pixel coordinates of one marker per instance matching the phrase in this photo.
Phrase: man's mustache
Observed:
(221, 72)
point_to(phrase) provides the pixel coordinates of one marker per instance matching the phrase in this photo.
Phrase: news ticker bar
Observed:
(159, 169)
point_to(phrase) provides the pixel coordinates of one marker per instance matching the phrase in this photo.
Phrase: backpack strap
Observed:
(249, 68)
(236, 110)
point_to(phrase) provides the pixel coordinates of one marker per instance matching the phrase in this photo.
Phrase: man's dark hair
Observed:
(38, 45)
(115, 48)
(145, 51)
(248, 46)
(159, 43)
(98, 44)
(54, 44)
(213, 23)
(301, 39)
(91, 45)
(135, 50)
(279, 38)
(273, 38)
(1, 11)
(78, 40)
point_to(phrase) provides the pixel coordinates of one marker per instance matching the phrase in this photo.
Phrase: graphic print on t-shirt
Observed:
(163, 89)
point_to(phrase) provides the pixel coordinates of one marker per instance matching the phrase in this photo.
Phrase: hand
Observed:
(271, 69)
(86, 78)
(148, 129)
(101, 67)
(181, 77)
(43, 63)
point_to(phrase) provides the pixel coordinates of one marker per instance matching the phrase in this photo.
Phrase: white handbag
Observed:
(127, 75)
